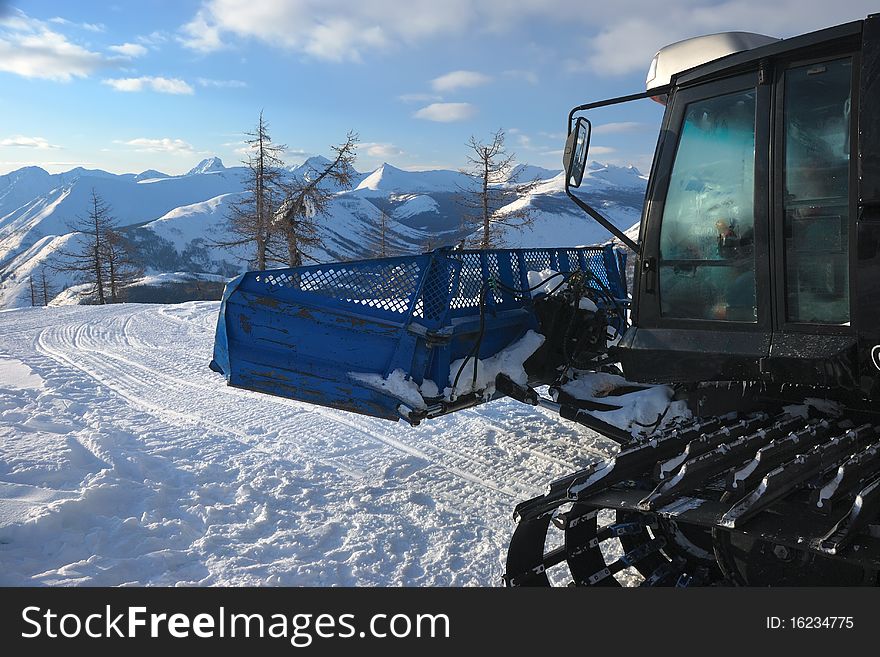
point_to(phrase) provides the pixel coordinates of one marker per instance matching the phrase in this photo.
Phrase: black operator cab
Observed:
(759, 248)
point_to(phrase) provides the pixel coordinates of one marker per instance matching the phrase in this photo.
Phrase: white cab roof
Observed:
(682, 55)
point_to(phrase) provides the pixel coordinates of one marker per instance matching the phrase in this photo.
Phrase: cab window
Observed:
(817, 119)
(707, 259)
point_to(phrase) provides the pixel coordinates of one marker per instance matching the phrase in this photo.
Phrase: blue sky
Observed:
(127, 86)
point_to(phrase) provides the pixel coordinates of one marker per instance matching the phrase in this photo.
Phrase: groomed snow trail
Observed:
(125, 460)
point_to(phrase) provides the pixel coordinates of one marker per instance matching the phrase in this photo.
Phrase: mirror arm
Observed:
(611, 228)
(656, 91)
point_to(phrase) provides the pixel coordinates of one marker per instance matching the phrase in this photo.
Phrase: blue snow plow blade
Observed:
(379, 337)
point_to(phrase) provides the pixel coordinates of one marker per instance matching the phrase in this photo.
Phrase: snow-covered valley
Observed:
(125, 460)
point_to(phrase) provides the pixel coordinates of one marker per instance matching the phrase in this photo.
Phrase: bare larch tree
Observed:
(121, 268)
(307, 198)
(46, 291)
(250, 220)
(491, 189)
(89, 265)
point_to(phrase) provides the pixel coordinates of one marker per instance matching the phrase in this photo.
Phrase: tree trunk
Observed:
(45, 286)
(99, 272)
(294, 257)
(113, 282)
(260, 200)
(485, 200)
(33, 291)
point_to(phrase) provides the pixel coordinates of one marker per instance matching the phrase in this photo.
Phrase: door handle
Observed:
(649, 271)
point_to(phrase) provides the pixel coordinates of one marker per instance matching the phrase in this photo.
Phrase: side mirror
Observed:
(576, 148)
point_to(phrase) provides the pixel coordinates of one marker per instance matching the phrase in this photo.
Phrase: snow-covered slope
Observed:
(415, 204)
(197, 221)
(527, 172)
(125, 461)
(62, 198)
(617, 192)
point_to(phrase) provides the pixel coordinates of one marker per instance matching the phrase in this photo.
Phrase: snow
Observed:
(396, 384)
(131, 463)
(150, 175)
(15, 374)
(642, 407)
(555, 221)
(523, 173)
(429, 389)
(548, 281)
(387, 179)
(166, 277)
(196, 221)
(619, 176)
(208, 165)
(508, 361)
(413, 205)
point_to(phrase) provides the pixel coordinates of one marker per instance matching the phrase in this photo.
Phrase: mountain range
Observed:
(175, 222)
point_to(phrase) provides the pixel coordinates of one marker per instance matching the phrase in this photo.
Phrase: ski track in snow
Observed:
(125, 460)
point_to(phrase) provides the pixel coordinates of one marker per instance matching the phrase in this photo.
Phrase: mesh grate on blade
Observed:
(452, 283)
(389, 286)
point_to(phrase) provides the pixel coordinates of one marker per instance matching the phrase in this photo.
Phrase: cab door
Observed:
(814, 214)
(704, 294)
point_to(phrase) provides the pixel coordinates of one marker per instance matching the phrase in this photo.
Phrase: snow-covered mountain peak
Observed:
(208, 165)
(612, 174)
(389, 179)
(523, 173)
(150, 174)
(24, 174)
(314, 162)
(385, 178)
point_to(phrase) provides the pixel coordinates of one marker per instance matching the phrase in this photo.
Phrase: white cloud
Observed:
(221, 84)
(27, 142)
(199, 35)
(521, 74)
(618, 37)
(382, 150)
(31, 49)
(418, 98)
(458, 80)
(335, 30)
(629, 37)
(446, 112)
(91, 27)
(525, 141)
(157, 84)
(617, 128)
(163, 145)
(153, 39)
(129, 50)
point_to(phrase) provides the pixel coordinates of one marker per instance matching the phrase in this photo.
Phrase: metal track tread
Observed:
(804, 490)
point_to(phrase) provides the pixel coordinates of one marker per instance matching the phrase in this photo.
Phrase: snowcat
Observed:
(755, 302)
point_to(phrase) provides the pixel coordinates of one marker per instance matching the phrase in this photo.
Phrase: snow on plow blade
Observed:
(380, 337)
